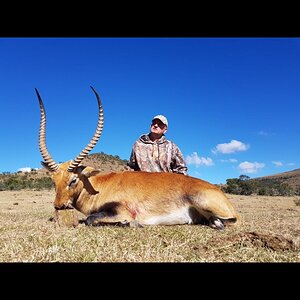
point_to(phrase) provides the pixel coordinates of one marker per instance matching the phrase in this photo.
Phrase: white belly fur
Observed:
(180, 216)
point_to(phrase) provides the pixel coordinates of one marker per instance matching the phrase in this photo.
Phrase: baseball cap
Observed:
(162, 118)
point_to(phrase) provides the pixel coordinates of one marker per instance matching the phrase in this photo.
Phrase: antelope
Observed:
(132, 198)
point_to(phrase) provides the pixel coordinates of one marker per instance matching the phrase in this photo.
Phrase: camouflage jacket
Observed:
(160, 156)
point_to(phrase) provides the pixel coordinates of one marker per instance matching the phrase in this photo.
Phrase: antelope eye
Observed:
(73, 181)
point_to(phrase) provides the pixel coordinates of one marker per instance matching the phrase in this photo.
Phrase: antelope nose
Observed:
(63, 206)
(59, 206)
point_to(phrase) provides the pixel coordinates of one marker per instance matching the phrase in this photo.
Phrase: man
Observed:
(152, 152)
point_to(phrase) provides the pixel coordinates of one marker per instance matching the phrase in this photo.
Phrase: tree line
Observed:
(264, 186)
(14, 182)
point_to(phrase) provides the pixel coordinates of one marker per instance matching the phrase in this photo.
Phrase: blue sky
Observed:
(232, 103)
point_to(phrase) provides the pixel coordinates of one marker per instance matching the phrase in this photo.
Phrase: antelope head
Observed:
(68, 177)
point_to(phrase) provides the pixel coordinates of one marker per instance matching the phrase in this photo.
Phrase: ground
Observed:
(269, 232)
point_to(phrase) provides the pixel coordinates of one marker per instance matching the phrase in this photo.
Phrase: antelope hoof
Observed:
(90, 220)
(134, 224)
(216, 223)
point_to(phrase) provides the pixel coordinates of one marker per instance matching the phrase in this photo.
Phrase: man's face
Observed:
(158, 127)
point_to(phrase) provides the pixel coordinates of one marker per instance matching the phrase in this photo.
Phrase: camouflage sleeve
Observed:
(179, 165)
(132, 164)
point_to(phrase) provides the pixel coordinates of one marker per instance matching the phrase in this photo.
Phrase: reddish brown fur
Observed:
(129, 196)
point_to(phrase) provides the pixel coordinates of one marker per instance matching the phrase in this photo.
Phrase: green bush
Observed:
(269, 187)
(19, 182)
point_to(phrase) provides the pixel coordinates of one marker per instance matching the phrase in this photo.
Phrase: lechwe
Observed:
(133, 198)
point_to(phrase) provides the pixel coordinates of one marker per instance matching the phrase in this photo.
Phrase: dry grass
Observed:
(269, 232)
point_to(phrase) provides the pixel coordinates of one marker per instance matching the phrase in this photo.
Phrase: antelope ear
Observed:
(79, 169)
(46, 166)
(91, 173)
(86, 171)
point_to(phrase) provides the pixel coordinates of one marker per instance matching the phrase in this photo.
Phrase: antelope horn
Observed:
(42, 137)
(94, 139)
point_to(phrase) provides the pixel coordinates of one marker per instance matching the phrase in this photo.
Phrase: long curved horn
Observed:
(49, 161)
(94, 139)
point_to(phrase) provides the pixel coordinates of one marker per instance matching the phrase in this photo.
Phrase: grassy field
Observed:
(269, 232)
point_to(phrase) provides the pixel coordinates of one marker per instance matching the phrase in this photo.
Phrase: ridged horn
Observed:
(48, 160)
(94, 139)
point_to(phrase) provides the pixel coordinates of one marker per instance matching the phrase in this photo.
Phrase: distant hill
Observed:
(40, 179)
(105, 162)
(101, 161)
(280, 184)
(292, 178)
